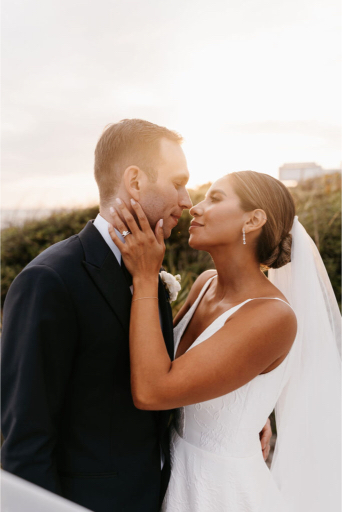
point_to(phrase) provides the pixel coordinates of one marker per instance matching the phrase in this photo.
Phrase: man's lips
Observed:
(175, 218)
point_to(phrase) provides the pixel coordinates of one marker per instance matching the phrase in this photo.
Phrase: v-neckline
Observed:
(192, 311)
(189, 314)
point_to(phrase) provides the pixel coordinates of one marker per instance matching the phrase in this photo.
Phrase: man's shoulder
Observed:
(57, 265)
(64, 261)
(61, 253)
(67, 256)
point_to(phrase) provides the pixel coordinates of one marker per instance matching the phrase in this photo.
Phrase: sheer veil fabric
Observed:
(306, 463)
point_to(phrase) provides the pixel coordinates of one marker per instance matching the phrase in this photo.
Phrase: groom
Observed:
(68, 418)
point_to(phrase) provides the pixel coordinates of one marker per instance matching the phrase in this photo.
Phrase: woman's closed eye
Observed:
(214, 199)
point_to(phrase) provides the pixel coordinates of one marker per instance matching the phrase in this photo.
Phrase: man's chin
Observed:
(167, 232)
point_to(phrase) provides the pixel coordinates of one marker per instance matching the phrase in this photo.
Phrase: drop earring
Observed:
(243, 236)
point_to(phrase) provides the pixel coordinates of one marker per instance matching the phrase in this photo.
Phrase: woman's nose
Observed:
(196, 210)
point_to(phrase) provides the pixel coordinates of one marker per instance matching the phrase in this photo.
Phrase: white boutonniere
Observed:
(171, 283)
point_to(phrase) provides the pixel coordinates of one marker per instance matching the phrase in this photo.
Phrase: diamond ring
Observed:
(125, 233)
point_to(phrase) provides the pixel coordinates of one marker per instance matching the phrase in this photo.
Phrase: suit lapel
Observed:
(104, 269)
(166, 314)
(164, 416)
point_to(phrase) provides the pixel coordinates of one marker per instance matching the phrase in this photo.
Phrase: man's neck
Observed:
(105, 214)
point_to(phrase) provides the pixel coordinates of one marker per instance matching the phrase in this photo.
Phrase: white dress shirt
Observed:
(102, 226)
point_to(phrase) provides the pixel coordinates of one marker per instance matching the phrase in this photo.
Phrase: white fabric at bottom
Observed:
(18, 495)
(206, 482)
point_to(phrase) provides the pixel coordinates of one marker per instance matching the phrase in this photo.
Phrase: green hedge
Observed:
(20, 244)
(318, 207)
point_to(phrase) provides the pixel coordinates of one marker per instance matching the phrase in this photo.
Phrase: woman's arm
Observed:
(242, 349)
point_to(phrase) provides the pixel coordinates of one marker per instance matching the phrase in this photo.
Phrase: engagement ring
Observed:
(125, 233)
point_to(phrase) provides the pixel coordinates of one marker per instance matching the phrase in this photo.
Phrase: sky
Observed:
(250, 84)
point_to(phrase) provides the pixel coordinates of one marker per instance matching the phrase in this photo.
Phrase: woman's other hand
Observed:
(143, 250)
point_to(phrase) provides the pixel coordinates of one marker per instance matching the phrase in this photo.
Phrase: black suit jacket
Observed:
(68, 417)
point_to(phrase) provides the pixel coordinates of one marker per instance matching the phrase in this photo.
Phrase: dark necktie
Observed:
(125, 272)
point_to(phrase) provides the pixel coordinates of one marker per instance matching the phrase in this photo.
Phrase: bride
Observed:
(244, 345)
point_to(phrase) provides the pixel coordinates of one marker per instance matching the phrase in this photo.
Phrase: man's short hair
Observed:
(129, 142)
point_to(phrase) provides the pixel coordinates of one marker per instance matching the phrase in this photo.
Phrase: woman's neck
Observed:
(238, 275)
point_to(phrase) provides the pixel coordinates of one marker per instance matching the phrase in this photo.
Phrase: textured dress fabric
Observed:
(216, 457)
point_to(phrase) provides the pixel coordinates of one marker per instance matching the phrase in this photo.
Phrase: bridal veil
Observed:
(306, 463)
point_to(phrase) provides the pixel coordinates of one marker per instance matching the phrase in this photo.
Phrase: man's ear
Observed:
(256, 220)
(132, 178)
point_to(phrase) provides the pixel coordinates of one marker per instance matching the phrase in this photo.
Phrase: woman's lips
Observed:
(195, 225)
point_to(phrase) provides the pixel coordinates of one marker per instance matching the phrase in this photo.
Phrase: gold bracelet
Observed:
(140, 298)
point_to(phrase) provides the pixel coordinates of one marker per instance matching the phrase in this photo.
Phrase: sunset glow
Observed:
(250, 85)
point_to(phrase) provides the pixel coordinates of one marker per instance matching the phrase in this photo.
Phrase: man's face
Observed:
(167, 197)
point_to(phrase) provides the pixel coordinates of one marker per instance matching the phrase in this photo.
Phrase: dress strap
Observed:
(273, 298)
(188, 315)
(200, 295)
(202, 292)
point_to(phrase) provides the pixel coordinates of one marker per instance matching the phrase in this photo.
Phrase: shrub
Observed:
(318, 208)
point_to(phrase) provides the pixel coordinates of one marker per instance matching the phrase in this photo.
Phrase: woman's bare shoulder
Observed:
(199, 283)
(268, 319)
(193, 294)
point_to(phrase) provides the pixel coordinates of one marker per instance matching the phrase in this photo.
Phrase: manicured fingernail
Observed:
(132, 202)
(161, 222)
(111, 209)
(118, 200)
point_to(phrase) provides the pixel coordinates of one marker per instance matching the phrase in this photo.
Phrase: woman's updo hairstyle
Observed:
(260, 191)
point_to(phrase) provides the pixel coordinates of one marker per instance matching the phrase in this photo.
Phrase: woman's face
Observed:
(218, 219)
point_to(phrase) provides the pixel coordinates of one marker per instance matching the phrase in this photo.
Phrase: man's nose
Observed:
(185, 200)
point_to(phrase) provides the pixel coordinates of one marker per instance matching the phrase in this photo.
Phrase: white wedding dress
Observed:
(216, 458)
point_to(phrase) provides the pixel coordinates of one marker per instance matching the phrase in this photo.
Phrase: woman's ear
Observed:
(132, 178)
(256, 220)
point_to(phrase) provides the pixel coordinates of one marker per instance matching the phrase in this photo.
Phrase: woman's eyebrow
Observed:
(218, 191)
